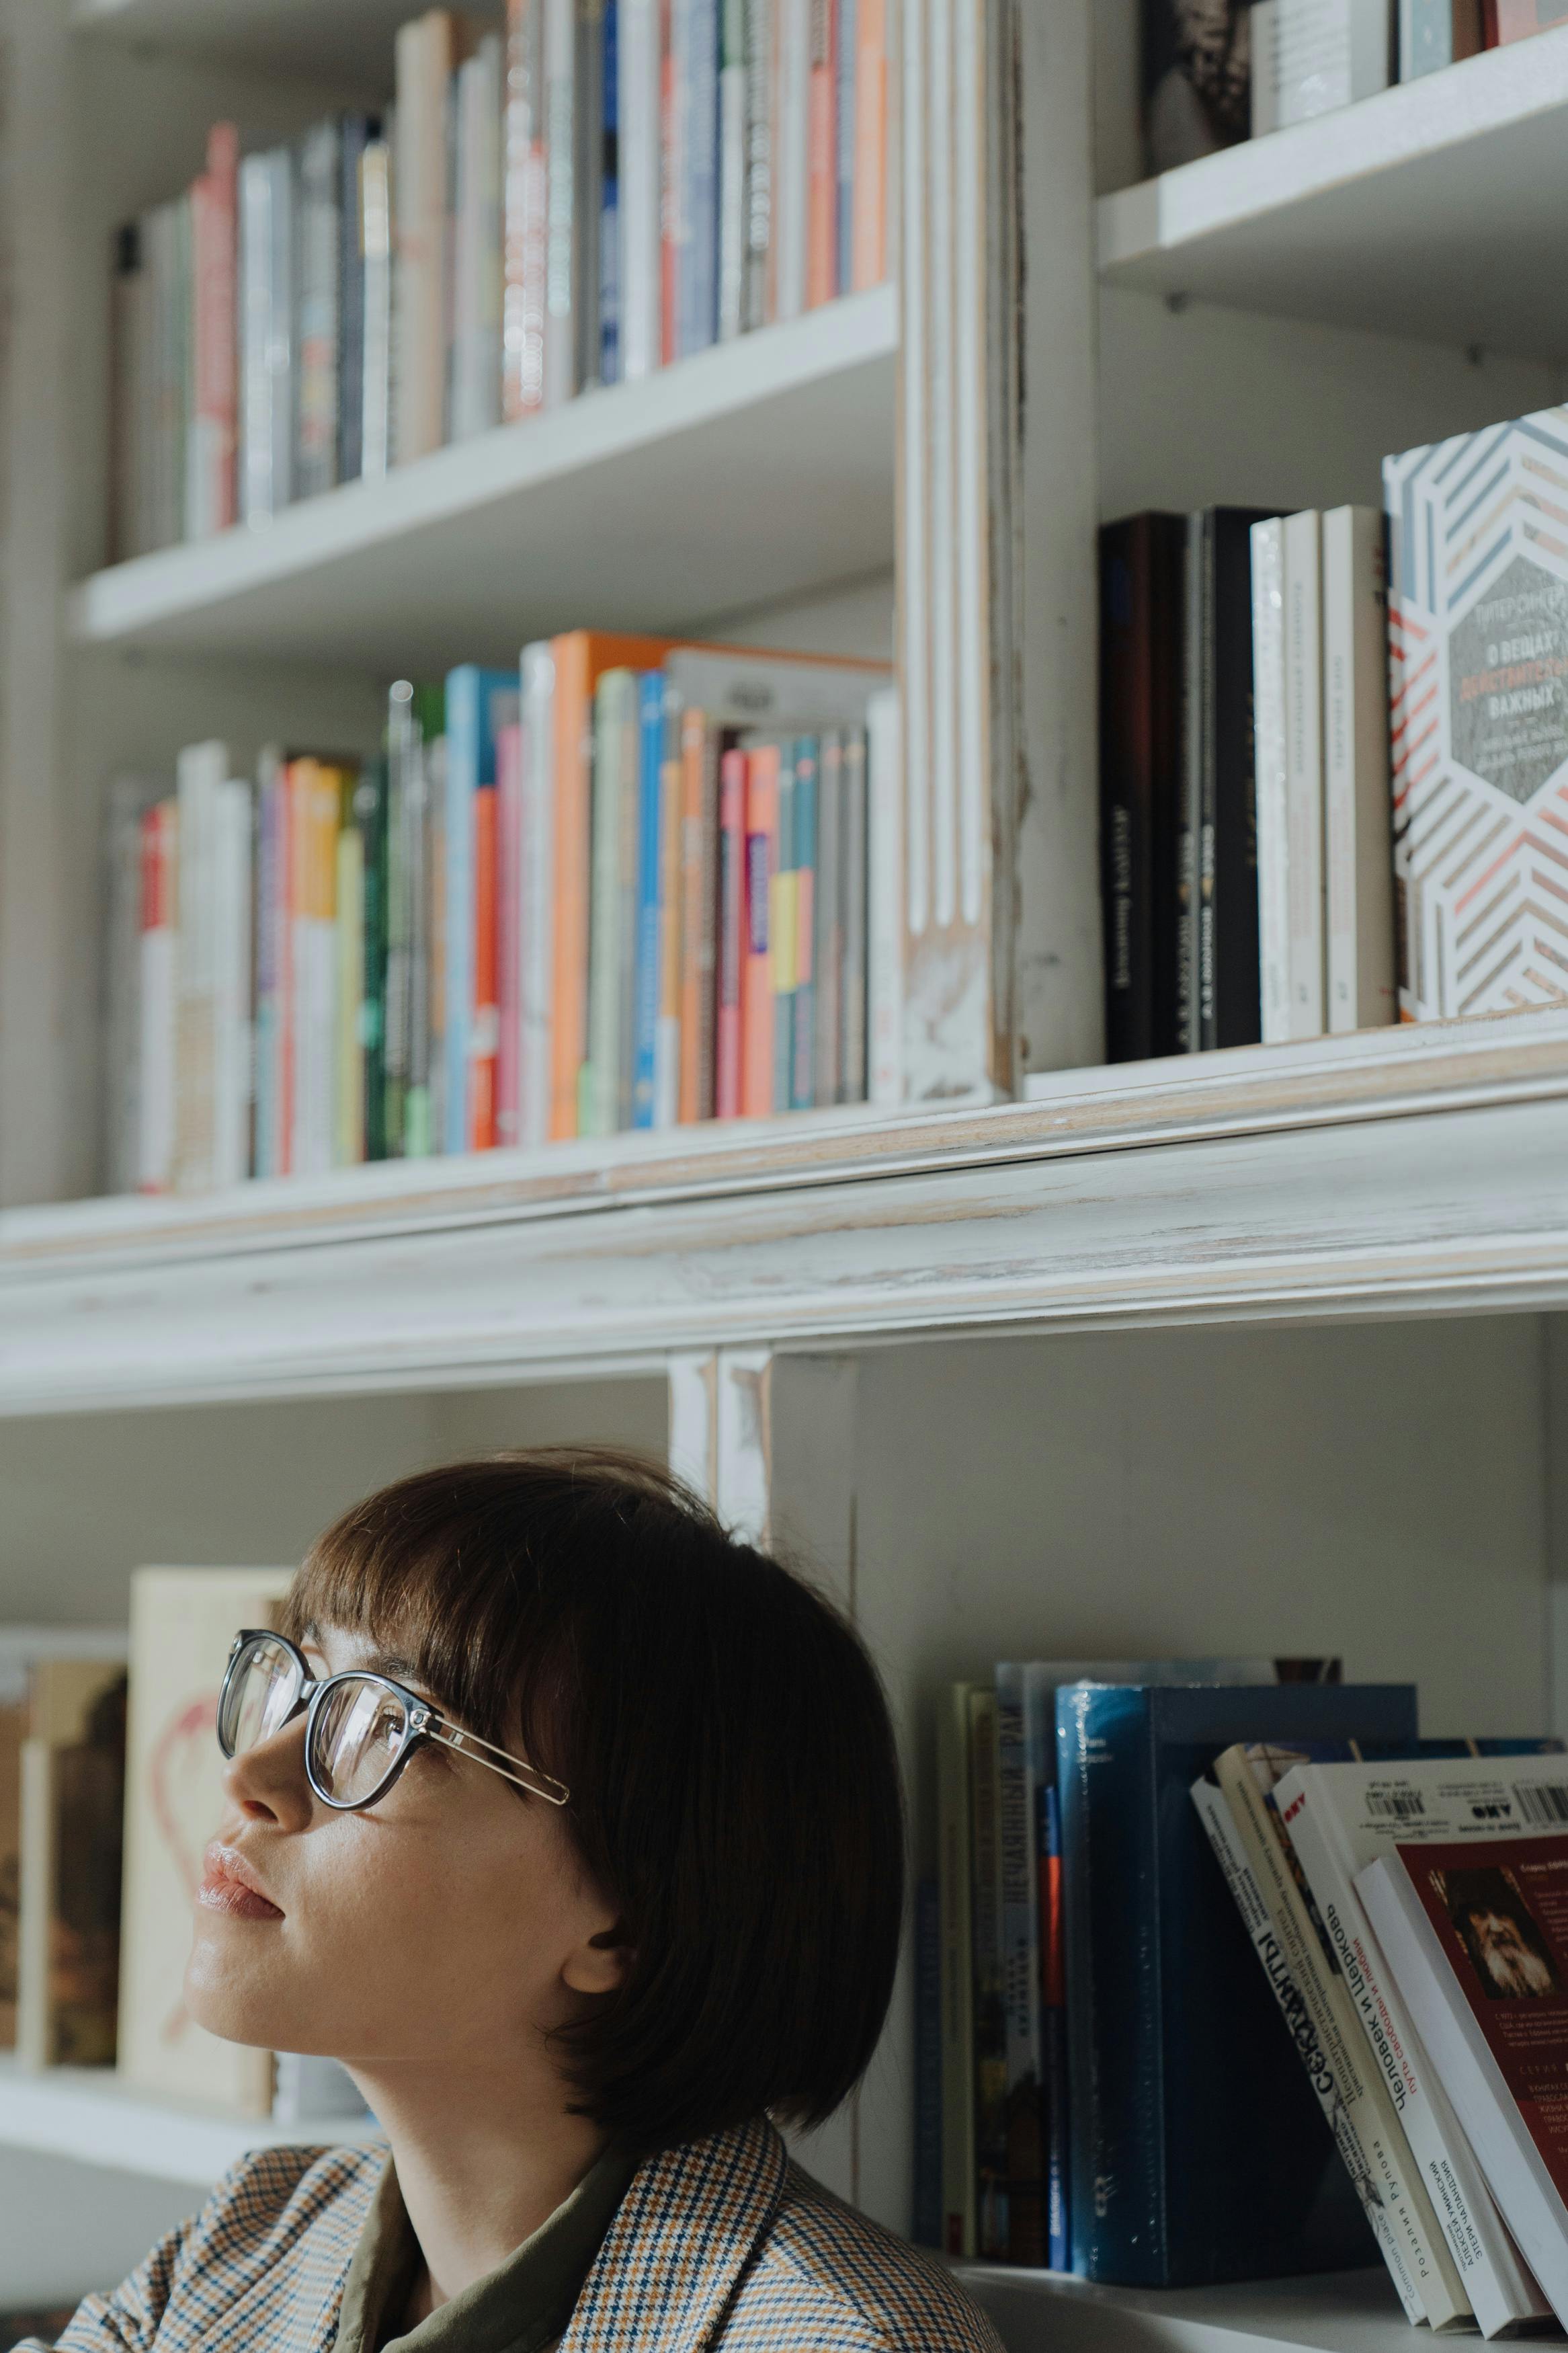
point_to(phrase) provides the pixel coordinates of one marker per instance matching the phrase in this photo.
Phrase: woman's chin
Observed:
(236, 2002)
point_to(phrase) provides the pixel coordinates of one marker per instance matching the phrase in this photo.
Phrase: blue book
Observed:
(843, 32)
(471, 764)
(694, 39)
(1054, 2031)
(1199, 2151)
(927, 2066)
(610, 205)
(803, 1054)
(650, 775)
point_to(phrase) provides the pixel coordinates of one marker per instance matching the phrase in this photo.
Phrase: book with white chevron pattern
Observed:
(1477, 620)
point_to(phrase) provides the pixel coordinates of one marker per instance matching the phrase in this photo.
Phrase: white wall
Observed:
(66, 2229)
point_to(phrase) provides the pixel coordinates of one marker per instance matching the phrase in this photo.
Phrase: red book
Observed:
(210, 463)
(756, 978)
(485, 1028)
(822, 158)
(508, 928)
(727, 1102)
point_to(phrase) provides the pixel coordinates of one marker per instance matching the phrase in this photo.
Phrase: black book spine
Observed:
(1230, 997)
(1139, 648)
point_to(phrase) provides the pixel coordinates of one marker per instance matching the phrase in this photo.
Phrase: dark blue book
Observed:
(927, 2066)
(1198, 2149)
(1055, 2121)
(610, 204)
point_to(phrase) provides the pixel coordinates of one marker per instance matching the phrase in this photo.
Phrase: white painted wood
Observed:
(1345, 2312)
(1390, 1173)
(274, 36)
(693, 1379)
(747, 474)
(1429, 210)
(83, 2113)
(743, 1489)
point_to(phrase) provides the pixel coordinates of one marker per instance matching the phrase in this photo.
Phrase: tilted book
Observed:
(1479, 704)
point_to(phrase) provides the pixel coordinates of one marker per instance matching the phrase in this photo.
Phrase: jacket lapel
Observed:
(682, 2236)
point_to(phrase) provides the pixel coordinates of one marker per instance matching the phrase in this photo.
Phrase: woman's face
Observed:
(449, 1923)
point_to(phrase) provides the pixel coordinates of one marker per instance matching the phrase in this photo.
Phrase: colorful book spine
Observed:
(369, 820)
(508, 931)
(485, 1020)
(783, 935)
(561, 202)
(870, 200)
(525, 203)
(157, 949)
(318, 230)
(599, 1109)
(694, 39)
(701, 888)
(640, 148)
(733, 81)
(650, 837)
(667, 1024)
(470, 772)
(758, 1019)
(827, 921)
(210, 445)
(803, 974)
(1054, 2035)
(821, 157)
(537, 878)
(731, 933)
(856, 936)
(348, 1139)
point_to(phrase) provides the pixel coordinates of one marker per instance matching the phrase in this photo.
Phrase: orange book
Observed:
(698, 910)
(756, 976)
(869, 223)
(581, 657)
(822, 163)
(484, 1034)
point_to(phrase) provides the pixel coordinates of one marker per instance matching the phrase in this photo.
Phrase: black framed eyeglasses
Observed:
(361, 1728)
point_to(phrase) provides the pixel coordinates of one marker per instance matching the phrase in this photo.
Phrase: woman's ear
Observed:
(600, 1964)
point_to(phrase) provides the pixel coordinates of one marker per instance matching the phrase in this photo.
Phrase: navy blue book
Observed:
(1198, 2150)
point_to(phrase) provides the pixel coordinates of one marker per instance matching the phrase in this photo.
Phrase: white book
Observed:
(536, 926)
(1263, 28)
(375, 236)
(1358, 837)
(318, 299)
(476, 257)
(202, 772)
(885, 893)
(267, 331)
(640, 151)
(1247, 1897)
(561, 179)
(732, 83)
(232, 1036)
(1370, 2113)
(1269, 765)
(158, 1009)
(1329, 54)
(1341, 1816)
(424, 60)
(759, 158)
(751, 688)
(791, 153)
(1304, 773)
(1517, 2173)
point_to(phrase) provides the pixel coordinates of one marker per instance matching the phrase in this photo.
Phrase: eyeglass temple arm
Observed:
(538, 1784)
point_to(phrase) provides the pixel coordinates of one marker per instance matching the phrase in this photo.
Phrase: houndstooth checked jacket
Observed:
(724, 2243)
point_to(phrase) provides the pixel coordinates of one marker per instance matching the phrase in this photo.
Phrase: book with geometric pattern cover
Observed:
(1478, 626)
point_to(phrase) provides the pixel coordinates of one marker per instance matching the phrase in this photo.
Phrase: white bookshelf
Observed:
(81, 2113)
(1426, 211)
(750, 474)
(1191, 1356)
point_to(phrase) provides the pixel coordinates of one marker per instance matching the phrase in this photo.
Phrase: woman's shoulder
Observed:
(276, 2199)
(827, 2276)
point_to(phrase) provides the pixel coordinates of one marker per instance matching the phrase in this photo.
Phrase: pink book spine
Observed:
(756, 978)
(732, 933)
(509, 929)
(215, 372)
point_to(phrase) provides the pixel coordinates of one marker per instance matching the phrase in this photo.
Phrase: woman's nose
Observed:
(269, 1784)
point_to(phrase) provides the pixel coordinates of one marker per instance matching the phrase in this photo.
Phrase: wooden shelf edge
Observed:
(146, 597)
(87, 2115)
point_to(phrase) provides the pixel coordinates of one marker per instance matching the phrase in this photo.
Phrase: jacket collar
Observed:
(682, 2236)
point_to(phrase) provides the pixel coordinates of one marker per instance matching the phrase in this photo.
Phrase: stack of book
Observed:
(580, 200)
(1334, 755)
(1123, 2092)
(626, 888)
(1253, 68)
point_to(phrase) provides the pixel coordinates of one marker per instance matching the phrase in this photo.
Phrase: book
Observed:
(593, 21)
(639, 150)
(71, 1782)
(992, 2223)
(1473, 1940)
(869, 203)
(1271, 780)
(1516, 20)
(605, 1096)
(845, 65)
(375, 446)
(1478, 721)
(129, 800)
(801, 1045)
(783, 931)
(1229, 993)
(479, 702)
(317, 298)
(955, 1972)
(761, 74)
(474, 394)
(181, 1623)
(733, 145)
(1340, 1818)
(852, 996)
(265, 334)
(711, 908)
(1140, 592)
(609, 290)
(822, 154)
(1358, 841)
(210, 443)
(356, 132)
(1307, 974)
(694, 62)
(508, 932)
(424, 57)
(885, 963)
(1178, 2073)
(561, 167)
(646, 870)
(525, 209)
(668, 936)
(1195, 86)
(536, 924)
(827, 921)
(1326, 54)
(1423, 2268)
(764, 768)
(789, 149)
(1438, 33)
(1022, 1699)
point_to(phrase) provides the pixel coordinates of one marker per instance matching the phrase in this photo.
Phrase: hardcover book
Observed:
(1478, 687)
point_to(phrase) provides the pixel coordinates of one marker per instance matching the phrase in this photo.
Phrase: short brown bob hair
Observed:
(734, 1779)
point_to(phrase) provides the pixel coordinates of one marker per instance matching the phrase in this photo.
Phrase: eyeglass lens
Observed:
(258, 1695)
(359, 1731)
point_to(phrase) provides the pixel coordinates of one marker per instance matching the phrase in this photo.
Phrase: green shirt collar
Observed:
(522, 2307)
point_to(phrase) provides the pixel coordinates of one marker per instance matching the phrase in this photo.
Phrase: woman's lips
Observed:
(229, 1885)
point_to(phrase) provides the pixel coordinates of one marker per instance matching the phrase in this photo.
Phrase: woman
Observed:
(574, 1829)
